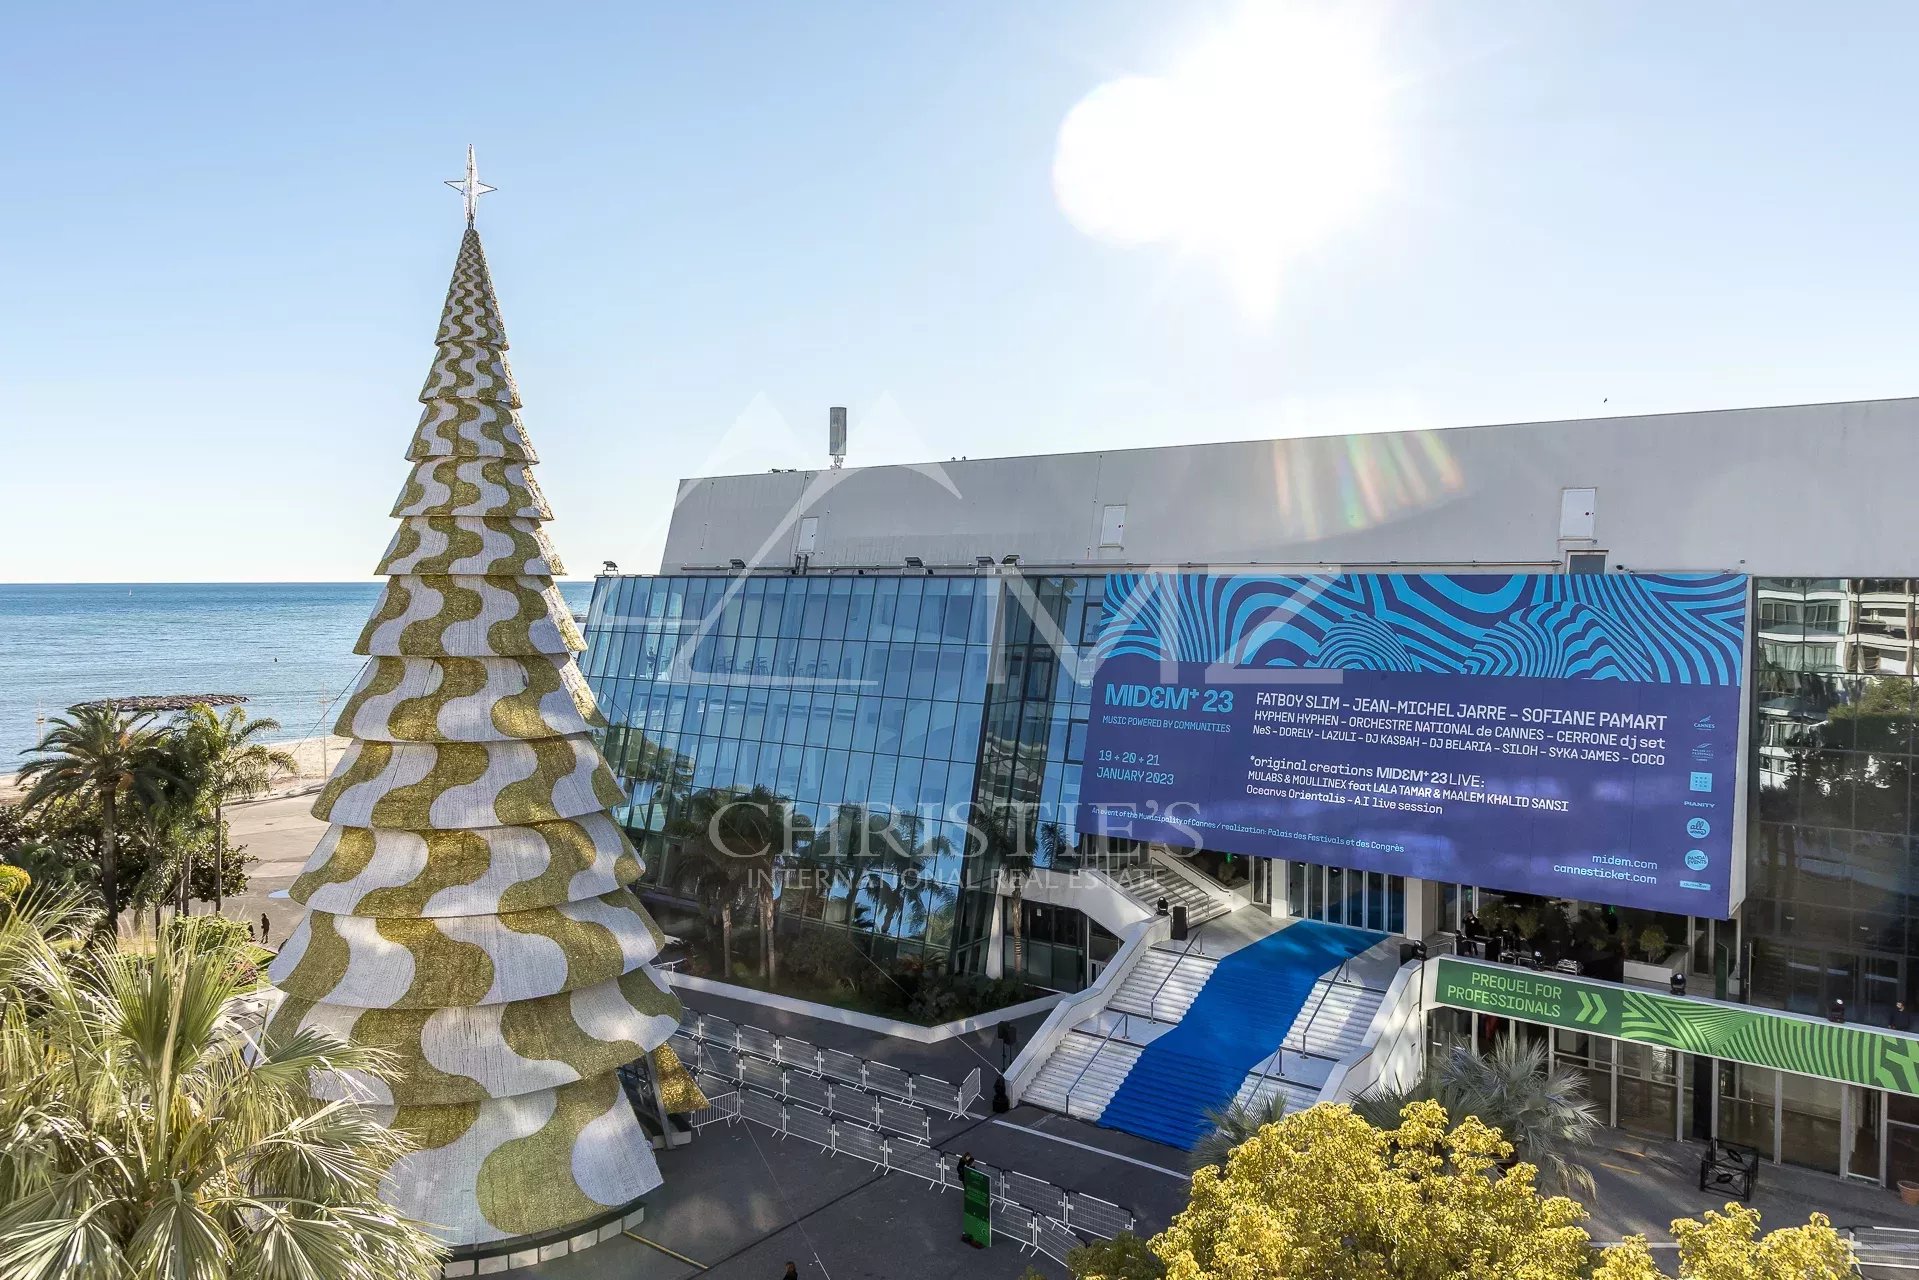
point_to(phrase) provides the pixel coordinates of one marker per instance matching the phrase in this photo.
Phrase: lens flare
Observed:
(1263, 141)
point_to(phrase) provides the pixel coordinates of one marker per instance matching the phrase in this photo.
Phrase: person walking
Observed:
(792, 1271)
(266, 927)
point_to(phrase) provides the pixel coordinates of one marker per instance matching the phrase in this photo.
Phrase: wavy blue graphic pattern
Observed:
(1673, 628)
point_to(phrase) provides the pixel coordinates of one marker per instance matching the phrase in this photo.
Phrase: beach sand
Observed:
(316, 757)
(277, 830)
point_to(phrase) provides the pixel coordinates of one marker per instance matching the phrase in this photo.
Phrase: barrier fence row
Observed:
(875, 1077)
(795, 1085)
(1032, 1212)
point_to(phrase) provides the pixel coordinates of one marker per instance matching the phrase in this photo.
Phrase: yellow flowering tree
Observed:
(1728, 1246)
(1323, 1194)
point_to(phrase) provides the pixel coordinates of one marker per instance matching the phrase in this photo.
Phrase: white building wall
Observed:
(1800, 490)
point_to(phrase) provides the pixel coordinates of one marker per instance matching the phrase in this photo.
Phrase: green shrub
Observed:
(822, 958)
(229, 932)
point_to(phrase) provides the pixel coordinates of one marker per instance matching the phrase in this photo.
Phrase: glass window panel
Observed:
(906, 619)
(753, 722)
(793, 609)
(899, 671)
(833, 781)
(973, 681)
(787, 781)
(799, 707)
(746, 771)
(939, 730)
(874, 673)
(813, 608)
(812, 771)
(819, 721)
(985, 602)
(866, 723)
(828, 667)
(859, 609)
(892, 724)
(956, 617)
(886, 596)
(859, 771)
(906, 785)
(913, 729)
(845, 708)
(839, 600)
(925, 667)
(735, 717)
(933, 593)
(806, 662)
(879, 788)
(726, 764)
(946, 680)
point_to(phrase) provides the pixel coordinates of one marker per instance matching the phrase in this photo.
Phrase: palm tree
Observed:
(151, 1132)
(1011, 851)
(1542, 1110)
(1232, 1125)
(94, 756)
(736, 841)
(896, 880)
(224, 763)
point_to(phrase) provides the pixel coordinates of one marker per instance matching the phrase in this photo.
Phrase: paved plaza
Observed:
(740, 1201)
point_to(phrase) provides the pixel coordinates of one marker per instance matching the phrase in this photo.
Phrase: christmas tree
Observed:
(467, 908)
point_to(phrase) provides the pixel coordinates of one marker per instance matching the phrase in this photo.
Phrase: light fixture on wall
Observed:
(737, 563)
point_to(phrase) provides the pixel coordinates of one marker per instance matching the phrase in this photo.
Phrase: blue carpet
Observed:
(1236, 1021)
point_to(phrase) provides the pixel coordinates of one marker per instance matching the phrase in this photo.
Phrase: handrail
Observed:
(1153, 1002)
(1141, 938)
(1104, 1041)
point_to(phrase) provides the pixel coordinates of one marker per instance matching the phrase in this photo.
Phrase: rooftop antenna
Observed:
(836, 435)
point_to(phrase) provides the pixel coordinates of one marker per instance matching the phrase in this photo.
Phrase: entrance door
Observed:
(1864, 1155)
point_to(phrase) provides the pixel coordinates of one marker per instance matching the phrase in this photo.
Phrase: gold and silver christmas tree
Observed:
(467, 908)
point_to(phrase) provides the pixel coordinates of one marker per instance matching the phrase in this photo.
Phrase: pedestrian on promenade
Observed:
(265, 928)
(792, 1271)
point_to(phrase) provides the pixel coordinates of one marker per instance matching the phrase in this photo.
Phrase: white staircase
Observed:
(1334, 1021)
(1081, 1075)
(1259, 1090)
(1332, 1024)
(1162, 985)
(1148, 882)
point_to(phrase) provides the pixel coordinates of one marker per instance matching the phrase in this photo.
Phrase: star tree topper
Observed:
(470, 187)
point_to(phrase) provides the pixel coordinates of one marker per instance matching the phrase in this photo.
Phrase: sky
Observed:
(224, 242)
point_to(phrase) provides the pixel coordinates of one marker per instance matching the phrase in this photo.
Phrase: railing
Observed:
(1073, 1088)
(1153, 1002)
(1394, 1043)
(764, 1046)
(1033, 1213)
(1141, 939)
(797, 1085)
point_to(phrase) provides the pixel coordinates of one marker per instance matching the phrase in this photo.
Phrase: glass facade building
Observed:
(957, 705)
(1830, 898)
(935, 706)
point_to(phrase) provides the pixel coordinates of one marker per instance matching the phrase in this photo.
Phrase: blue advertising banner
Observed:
(1564, 734)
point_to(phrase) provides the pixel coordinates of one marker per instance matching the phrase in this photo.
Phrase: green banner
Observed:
(976, 1208)
(1736, 1033)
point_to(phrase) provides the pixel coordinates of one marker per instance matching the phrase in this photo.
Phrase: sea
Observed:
(287, 646)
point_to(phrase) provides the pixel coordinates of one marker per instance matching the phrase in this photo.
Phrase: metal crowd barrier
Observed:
(722, 1102)
(711, 1030)
(813, 1094)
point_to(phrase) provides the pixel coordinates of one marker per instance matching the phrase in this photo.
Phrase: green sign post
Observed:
(1736, 1033)
(976, 1207)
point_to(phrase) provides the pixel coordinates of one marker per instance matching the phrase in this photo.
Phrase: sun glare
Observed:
(1266, 138)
